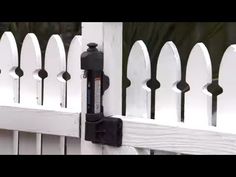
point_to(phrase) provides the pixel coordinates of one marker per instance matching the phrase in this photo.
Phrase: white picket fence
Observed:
(35, 119)
(30, 115)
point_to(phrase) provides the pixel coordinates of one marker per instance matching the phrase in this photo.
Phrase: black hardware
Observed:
(98, 129)
(104, 130)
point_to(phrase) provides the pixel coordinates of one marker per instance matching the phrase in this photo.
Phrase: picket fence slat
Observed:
(73, 68)
(168, 96)
(227, 100)
(138, 95)
(198, 100)
(74, 88)
(113, 68)
(54, 90)
(30, 89)
(9, 89)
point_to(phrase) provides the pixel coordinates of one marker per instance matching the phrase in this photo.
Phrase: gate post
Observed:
(91, 32)
(108, 36)
(112, 99)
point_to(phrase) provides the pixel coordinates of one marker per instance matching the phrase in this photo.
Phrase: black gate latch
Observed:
(98, 129)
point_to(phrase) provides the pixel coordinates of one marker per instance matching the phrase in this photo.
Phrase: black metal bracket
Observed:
(105, 130)
(98, 128)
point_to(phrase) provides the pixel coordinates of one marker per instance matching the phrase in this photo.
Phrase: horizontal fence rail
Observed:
(177, 138)
(38, 119)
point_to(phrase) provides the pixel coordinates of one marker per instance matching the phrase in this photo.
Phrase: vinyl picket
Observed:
(198, 100)
(30, 90)
(227, 100)
(9, 89)
(54, 90)
(168, 96)
(74, 88)
(138, 95)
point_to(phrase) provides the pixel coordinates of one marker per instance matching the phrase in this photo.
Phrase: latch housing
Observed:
(98, 129)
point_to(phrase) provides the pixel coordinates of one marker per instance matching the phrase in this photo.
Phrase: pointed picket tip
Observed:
(9, 46)
(227, 65)
(138, 70)
(199, 60)
(31, 44)
(77, 40)
(227, 100)
(75, 48)
(198, 101)
(31, 58)
(168, 96)
(73, 68)
(55, 45)
(168, 64)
